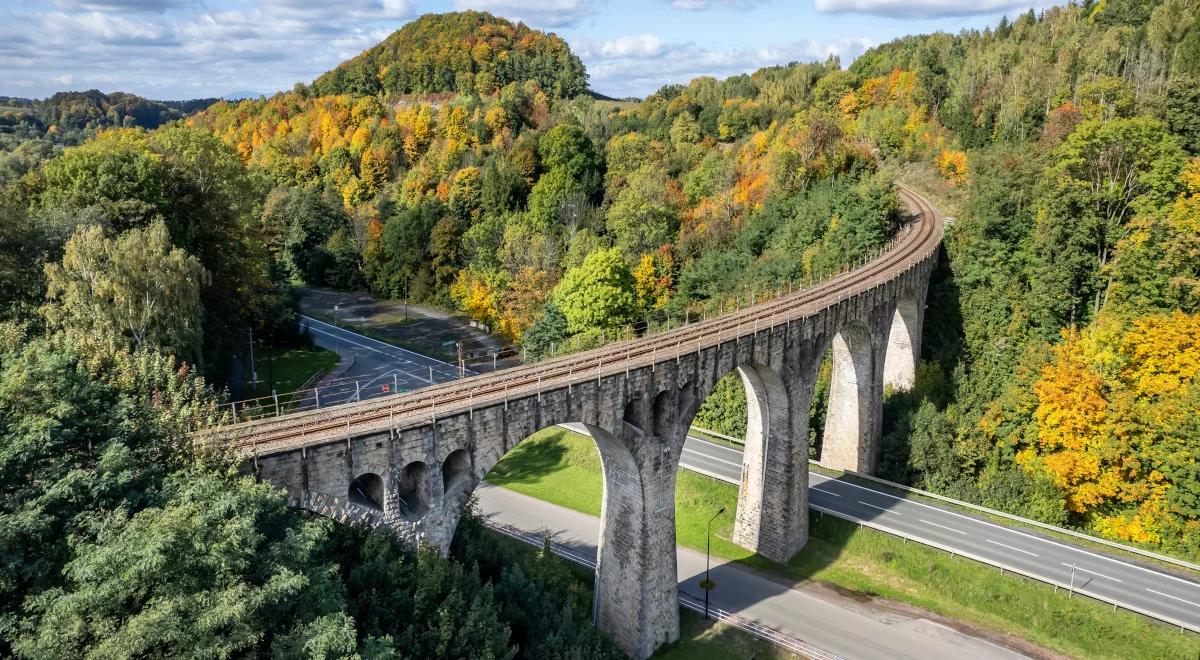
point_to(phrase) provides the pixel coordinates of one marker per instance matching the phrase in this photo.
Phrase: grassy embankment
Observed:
(289, 368)
(562, 467)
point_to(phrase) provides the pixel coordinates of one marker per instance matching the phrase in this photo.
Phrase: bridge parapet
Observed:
(410, 463)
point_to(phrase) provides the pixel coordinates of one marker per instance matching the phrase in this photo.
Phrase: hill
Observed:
(34, 129)
(459, 51)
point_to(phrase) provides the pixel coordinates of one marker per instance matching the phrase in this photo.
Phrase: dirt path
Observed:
(423, 329)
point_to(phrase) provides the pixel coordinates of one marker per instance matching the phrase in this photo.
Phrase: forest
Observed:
(32, 131)
(464, 163)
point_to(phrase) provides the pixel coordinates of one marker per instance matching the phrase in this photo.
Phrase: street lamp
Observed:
(707, 585)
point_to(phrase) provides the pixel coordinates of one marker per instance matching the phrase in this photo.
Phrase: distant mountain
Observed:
(238, 96)
(66, 112)
(459, 51)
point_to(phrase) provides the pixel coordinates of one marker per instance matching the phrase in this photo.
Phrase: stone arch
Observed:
(632, 414)
(456, 470)
(772, 505)
(848, 441)
(367, 490)
(904, 342)
(412, 490)
(636, 577)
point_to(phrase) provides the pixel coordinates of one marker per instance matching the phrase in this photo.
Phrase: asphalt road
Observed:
(1134, 585)
(817, 615)
(1155, 592)
(379, 368)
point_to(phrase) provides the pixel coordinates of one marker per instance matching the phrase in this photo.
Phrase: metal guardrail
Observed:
(955, 552)
(1034, 523)
(1001, 565)
(792, 644)
(983, 509)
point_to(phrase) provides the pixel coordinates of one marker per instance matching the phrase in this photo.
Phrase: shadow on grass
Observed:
(530, 462)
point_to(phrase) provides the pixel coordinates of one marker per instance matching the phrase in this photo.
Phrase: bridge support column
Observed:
(772, 513)
(636, 594)
(904, 342)
(852, 424)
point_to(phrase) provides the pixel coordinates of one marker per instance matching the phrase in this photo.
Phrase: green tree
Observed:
(132, 290)
(644, 214)
(1100, 174)
(219, 566)
(599, 294)
(568, 148)
(549, 331)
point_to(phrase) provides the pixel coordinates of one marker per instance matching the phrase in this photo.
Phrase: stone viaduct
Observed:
(409, 463)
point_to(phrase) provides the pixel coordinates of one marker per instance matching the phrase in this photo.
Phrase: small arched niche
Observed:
(367, 490)
(412, 491)
(455, 470)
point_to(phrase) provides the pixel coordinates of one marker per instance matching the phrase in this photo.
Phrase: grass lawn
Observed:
(563, 467)
(290, 367)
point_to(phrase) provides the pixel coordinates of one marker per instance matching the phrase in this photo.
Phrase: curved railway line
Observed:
(915, 242)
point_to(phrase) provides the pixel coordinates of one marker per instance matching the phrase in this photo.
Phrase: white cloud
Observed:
(918, 8)
(639, 65)
(536, 13)
(264, 45)
(119, 5)
(702, 5)
(642, 45)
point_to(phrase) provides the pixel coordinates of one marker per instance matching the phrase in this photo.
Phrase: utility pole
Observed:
(1071, 592)
(253, 367)
(462, 367)
(707, 585)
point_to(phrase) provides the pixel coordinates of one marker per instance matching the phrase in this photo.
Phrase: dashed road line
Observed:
(1172, 597)
(1092, 572)
(930, 522)
(895, 513)
(1002, 545)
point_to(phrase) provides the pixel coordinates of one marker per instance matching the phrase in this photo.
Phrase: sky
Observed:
(182, 49)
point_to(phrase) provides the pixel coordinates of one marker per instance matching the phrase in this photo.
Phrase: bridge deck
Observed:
(916, 242)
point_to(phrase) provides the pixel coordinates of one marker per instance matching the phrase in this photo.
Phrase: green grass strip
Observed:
(562, 467)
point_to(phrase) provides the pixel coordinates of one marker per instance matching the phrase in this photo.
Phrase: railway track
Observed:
(908, 248)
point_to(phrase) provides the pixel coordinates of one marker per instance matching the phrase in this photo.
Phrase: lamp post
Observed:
(707, 585)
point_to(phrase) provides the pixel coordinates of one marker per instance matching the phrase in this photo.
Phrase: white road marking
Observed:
(711, 458)
(930, 522)
(1172, 597)
(827, 492)
(822, 478)
(354, 343)
(1002, 545)
(897, 513)
(1092, 572)
(390, 347)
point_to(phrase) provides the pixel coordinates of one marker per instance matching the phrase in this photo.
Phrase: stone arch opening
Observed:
(367, 490)
(617, 471)
(632, 413)
(848, 442)
(904, 343)
(455, 470)
(412, 491)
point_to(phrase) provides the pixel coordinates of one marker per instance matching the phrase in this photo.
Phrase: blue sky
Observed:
(176, 49)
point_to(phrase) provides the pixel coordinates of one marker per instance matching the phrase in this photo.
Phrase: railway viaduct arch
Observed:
(409, 463)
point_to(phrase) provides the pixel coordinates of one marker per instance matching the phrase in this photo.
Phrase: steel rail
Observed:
(911, 246)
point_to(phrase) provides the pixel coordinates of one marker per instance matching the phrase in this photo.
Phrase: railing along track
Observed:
(911, 246)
